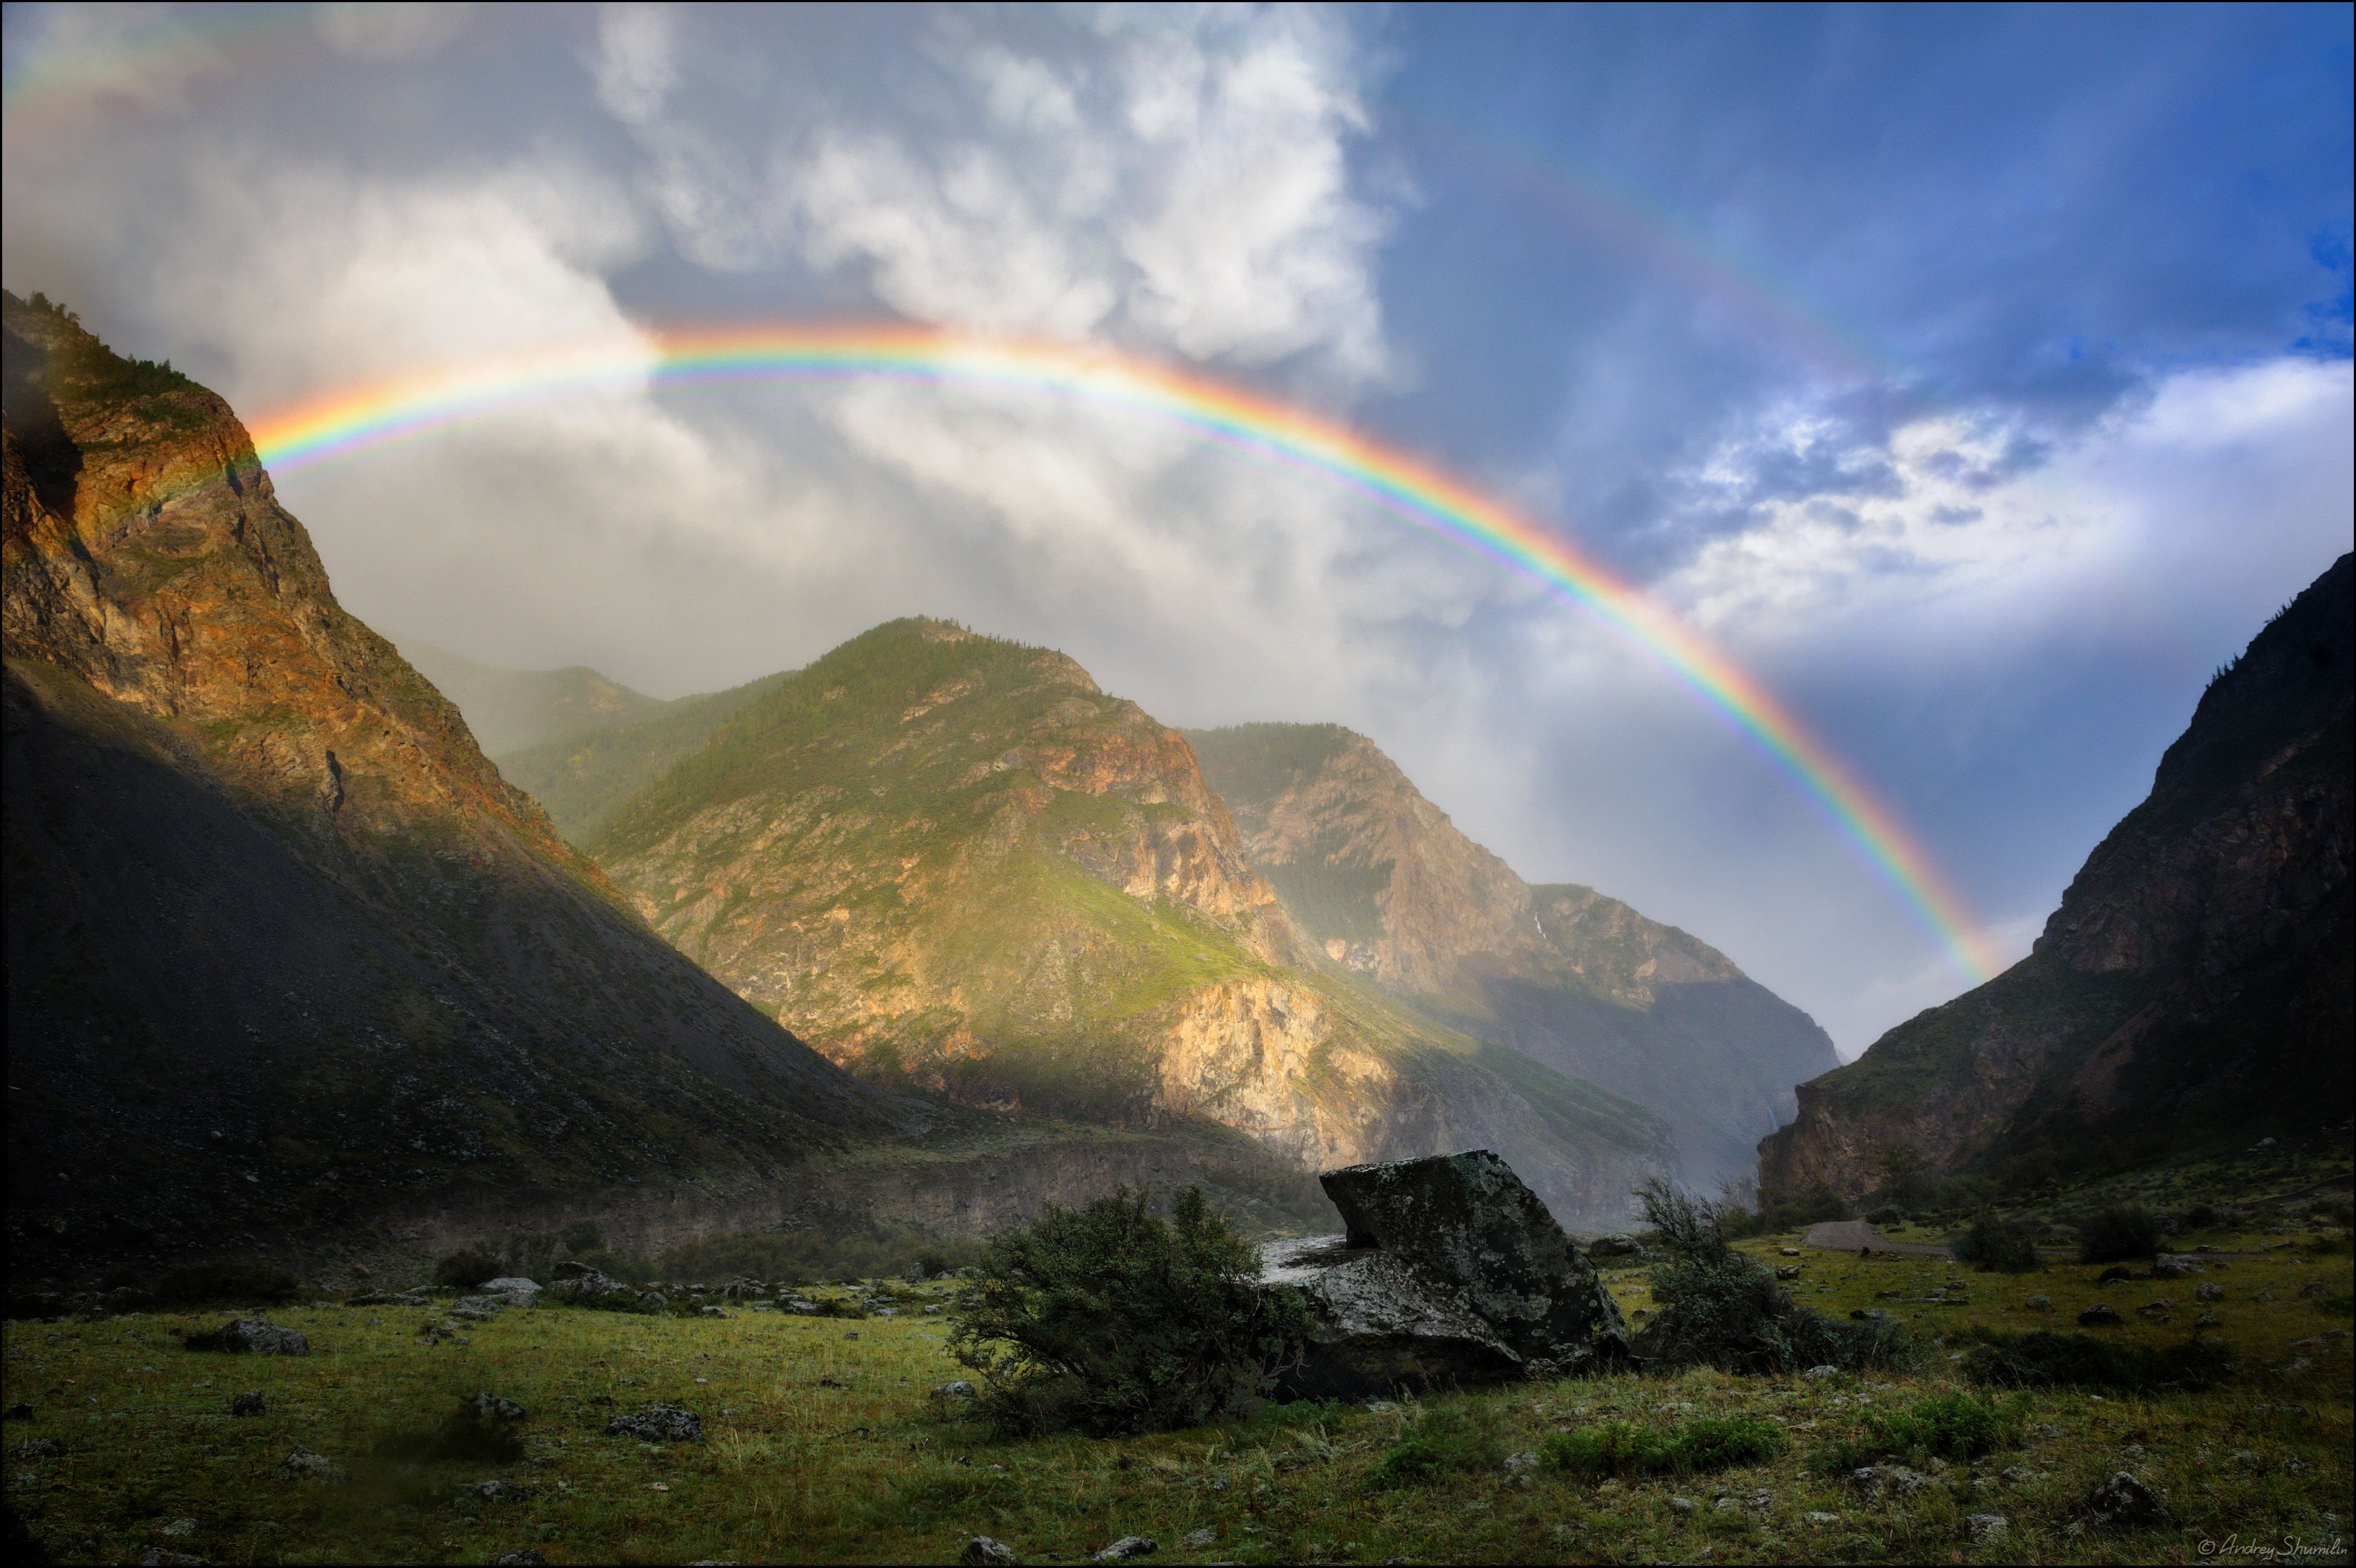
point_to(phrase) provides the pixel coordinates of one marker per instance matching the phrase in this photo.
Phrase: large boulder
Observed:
(513, 1289)
(1452, 1272)
(253, 1336)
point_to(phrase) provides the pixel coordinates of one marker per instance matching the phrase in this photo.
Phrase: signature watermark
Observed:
(2288, 1549)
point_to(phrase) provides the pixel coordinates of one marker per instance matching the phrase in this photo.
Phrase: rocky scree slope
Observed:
(1387, 885)
(284, 951)
(961, 867)
(2194, 987)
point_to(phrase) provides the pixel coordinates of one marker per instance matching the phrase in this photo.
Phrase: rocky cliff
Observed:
(2194, 986)
(961, 867)
(284, 950)
(1385, 885)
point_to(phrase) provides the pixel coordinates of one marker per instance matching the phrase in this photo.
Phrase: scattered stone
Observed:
(1381, 1407)
(2313, 1287)
(957, 1388)
(164, 1557)
(2117, 1274)
(2166, 1267)
(258, 1336)
(1818, 1518)
(1726, 1505)
(658, 1423)
(1520, 1465)
(1986, 1527)
(1878, 1481)
(2293, 1367)
(2297, 1467)
(850, 1333)
(2207, 1291)
(2266, 1295)
(1682, 1506)
(2100, 1315)
(808, 1308)
(2042, 1429)
(2162, 1310)
(655, 1299)
(1787, 1252)
(250, 1403)
(712, 1312)
(513, 1289)
(478, 1309)
(1451, 1271)
(2244, 1457)
(37, 1448)
(1820, 1373)
(1127, 1547)
(2123, 1501)
(180, 1526)
(1787, 1271)
(1199, 1540)
(528, 1557)
(488, 1406)
(2019, 1475)
(303, 1465)
(499, 1492)
(983, 1552)
(2209, 1320)
(1613, 1247)
(2038, 1303)
(389, 1299)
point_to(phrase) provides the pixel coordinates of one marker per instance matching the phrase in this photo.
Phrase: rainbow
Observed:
(357, 419)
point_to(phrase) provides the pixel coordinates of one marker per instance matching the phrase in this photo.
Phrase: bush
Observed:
(932, 1263)
(1948, 1426)
(1717, 1307)
(1886, 1215)
(1444, 1442)
(2117, 1234)
(1618, 1448)
(1113, 1319)
(2001, 1246)
(224, 1282)
(2047, 1359)
(1782, 1210)
(466, 1270)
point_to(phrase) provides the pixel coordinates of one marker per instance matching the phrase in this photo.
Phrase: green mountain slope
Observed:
(2194, 988)
(512, 709)
(1387, 885)
(285, 955)
(961, 867)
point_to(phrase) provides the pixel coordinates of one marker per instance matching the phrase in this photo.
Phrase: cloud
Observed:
(391, 31)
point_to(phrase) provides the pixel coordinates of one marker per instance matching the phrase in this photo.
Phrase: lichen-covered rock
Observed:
(658, 1423)
(250, 1403)
(2125, 1502)
(2101, 1315)
(253, 1335)
(513, 1290)
(981, 1551)
(488, 1406)
(304, 1465)
(1452, 1272)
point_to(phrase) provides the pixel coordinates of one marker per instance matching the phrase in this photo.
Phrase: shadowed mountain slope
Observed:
(283, 948)
(2195, 986)
(960, 866)
(1387, 885)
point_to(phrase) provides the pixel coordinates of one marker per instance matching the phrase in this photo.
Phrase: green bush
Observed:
(224, 1282)
(1886, 1216)
(1691, 1447)
(1112, 1318)
(2045, 1359)
(2117, 1234)
(1444, 1442)
(2001, 1246)
(466, 1270)
(1782, 1210)
(1946, 1425)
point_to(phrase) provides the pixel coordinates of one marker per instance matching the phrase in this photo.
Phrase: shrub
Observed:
(2047, 1359)
(1618, 1448)
(932, 1263)
(1444, 1442)
(224, 1282)
(1886, 1215)
(467, 1269)
(2119, 1232)
(1948, 1426)
(1782, 1210)
(1111, 1319)
(2002, 1246)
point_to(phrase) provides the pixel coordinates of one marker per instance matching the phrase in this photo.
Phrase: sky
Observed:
(1978, 379)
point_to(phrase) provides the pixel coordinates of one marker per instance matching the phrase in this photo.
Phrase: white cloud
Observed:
(636, 64)
(379, 31)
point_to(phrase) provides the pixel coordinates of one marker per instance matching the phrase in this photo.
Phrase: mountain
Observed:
(1387, 885)
(284, 952)
(514, 710)
(2194, 988)
(960, 867)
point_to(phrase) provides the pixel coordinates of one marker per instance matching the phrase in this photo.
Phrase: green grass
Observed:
(1681, 1449)
(820, 1448)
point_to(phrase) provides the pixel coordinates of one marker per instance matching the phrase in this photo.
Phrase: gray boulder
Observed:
(658, 1423)
(305, 1464)
(981, 1551)
(2101, 1315)
(391, 1299)
(2125, 1502)
(250, 1403)
(1452, 1272)
(476, 1308)
(256, 1336)
(514, 1290)
(488, 1406)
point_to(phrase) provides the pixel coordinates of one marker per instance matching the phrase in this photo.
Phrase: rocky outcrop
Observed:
(284, 950)
(1385, 886)
(1451, 1271)
(963, 868)
(2195, 985)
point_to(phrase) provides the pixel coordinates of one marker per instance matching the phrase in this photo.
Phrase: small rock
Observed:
(2209, 1320)
(303, 1465)
(499, 1492)
(250, 1403)
(180, 1526)
(1983, 1527)
(1787, 1271)
(2266, 1295)
(254, 1335)
(37, 1448)
(1682, 1506)
(527, 1557)
(1820, 1518)
(1787, 1252)
(478, 1309)
(1727, 1505)
(983, 1552)
(1822, 1372)
(389, 1299)
(488, 1406)
(1521, 1464)
(2124, 1501)
(513, 1289)
(2159, 1311)
(658, 1423)
(1127, 1547)
(2042, 1429)
(2313, 1287)
(1199, 1540)
(2100, 1315)
(2297, 1467)
(1380, 1407)
(2038, 1303)
(164, 1557)
(850, 1333)
(2117, 1274)
(957, 1388)
(1877, 1481)
(711, 1312)
(2207, 1291)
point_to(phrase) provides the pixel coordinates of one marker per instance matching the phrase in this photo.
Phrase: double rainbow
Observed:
(355, 419)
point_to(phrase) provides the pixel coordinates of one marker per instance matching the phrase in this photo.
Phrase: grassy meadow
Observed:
(822, 1443)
